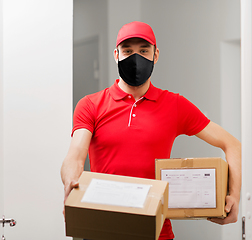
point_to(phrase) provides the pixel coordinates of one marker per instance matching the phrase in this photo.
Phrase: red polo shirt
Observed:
(129, 135)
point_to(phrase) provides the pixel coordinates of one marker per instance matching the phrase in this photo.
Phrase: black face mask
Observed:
(135, 70)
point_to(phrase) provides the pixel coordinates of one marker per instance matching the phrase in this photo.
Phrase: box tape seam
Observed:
(189, 213)
(187, 162)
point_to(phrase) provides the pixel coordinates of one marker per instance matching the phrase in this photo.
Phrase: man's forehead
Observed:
(131, 41)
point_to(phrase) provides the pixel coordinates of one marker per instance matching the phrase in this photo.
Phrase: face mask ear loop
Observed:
(154, 54)
(117, 53)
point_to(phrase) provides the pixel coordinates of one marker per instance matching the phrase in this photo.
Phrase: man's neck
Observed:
(136, 91)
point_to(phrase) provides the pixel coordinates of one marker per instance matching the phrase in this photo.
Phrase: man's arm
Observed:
(73, 164)
(218, 137)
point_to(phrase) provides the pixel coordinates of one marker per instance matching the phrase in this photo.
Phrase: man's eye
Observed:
(127, 52)
(144, 51)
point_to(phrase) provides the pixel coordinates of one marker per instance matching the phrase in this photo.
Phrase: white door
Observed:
(35, 115)
(246, 77)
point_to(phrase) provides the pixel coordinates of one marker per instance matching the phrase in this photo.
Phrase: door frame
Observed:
(246, 113)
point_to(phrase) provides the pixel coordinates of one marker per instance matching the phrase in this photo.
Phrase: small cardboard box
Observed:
(94, 220)
(197, 186)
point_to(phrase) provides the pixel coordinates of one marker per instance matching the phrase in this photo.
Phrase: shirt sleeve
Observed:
(84, 115)
(190, 119)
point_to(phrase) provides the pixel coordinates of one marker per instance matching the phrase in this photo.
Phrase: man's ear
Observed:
(116, 55)
(156, 55)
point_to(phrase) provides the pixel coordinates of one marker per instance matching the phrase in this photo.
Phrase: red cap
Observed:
(136, 29)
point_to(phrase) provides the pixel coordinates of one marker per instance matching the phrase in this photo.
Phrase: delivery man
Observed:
(127, 126)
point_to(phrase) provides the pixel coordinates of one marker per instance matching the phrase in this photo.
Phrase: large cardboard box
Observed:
(90, 214)
(197, 186)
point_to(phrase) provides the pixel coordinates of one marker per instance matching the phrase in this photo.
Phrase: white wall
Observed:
(119, 13)
(231, 27)
(230, 78)
(231, 106)
(91, 20)
(231, 87)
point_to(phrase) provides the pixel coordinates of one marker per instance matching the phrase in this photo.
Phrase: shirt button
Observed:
(133, 115)
(129, 96)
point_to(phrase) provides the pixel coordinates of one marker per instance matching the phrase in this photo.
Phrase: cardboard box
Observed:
(197, 186)
(91, 220)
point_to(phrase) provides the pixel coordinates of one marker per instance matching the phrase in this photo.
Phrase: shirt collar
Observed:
(153, 93)
(117, 93)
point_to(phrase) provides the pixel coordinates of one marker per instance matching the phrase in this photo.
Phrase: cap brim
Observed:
(136, 36)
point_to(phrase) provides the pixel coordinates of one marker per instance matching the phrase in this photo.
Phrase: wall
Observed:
(119, 13)
(90, 21)
(230, 79)
(231, 106)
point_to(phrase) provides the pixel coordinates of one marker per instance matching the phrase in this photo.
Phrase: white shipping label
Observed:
(190, 188)
(116, 193)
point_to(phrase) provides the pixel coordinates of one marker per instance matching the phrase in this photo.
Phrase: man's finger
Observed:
(69, 188)
(229, 204)
(74, 185)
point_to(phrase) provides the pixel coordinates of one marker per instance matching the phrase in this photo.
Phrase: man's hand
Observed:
(231, 208)
(68, 188)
